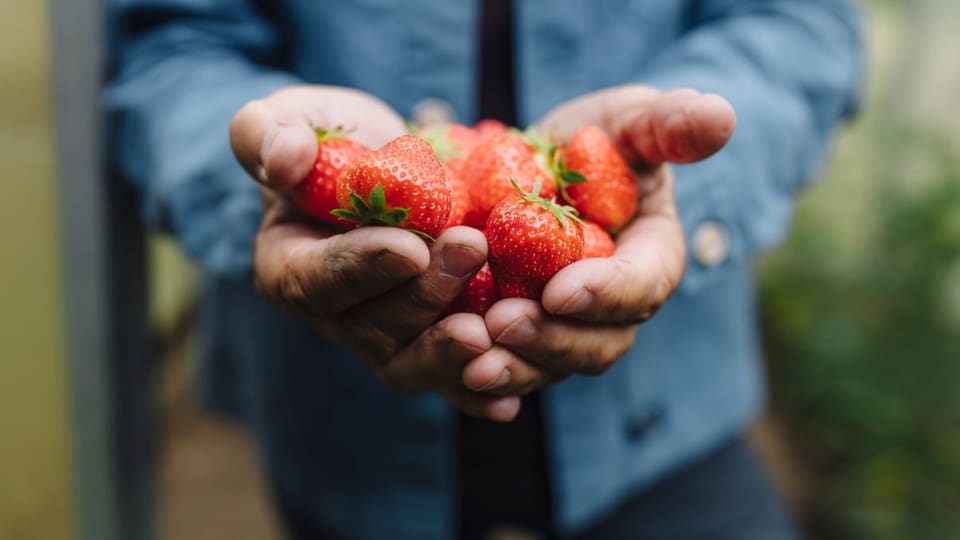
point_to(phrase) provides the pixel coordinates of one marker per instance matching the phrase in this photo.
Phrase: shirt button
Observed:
(640, 425)
(432, 111)
(711, 244)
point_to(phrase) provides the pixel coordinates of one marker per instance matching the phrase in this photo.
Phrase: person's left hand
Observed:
(590, 311)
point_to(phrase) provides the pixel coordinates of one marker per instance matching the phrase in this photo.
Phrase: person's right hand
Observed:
(377, 290)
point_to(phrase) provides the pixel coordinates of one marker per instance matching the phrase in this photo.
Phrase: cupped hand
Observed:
(379, 291)
(589, 313)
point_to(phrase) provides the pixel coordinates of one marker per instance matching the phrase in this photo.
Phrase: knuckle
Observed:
(341, 267)
(439, 332)
(606, 357)
(597, 366)
(392, 380)
(427, 297)
(290, 290)
(566, 348)
(618, 349)
(373, 343)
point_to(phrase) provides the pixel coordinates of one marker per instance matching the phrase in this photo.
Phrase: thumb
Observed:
(681, 126)
(276, 149)
(649, 127)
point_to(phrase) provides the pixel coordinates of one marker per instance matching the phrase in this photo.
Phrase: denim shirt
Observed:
(375, 465)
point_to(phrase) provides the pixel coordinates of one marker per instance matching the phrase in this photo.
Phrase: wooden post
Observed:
(109, 357)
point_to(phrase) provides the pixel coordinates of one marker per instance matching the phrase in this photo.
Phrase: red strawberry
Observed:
(317, 193)
(596, 241)
(488, 127)
(604, 191)
(459, 199)
(477, 296)
(492, 165)
(399, 185)
(530, 239)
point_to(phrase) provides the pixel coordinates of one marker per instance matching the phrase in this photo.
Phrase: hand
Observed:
(377, 290)
(589, 313)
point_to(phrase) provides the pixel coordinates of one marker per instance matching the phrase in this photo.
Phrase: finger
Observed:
(364, 117)
(595, 109)
(433, 362)
(649, 127)
(682, 126)
(643, 272)
(405, 311)
(497, 408)
(304, 270)
(502, 372)
(274, 138)
(557, 343)
(276, 145)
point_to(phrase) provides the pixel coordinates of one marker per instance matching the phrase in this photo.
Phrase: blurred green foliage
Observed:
(862, 317)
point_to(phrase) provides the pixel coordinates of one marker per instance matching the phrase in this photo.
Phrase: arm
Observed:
(790, 68)
(179, 72)
(184, 75)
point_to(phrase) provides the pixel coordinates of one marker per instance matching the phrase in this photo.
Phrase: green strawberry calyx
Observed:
(337, 132)
(375, 212)
(443, 146)
(561, 212)
(562, 176)
(535, 138)
(550, 160)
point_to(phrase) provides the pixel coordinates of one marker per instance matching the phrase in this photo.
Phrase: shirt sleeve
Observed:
(791, 69)
(179, 70)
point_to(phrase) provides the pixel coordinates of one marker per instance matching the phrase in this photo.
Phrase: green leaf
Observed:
(346, 214)
(359, 204)
(572, 177)
(395, 216)
(378, 199)
(516, 186)
(537, 186)
(558, 213)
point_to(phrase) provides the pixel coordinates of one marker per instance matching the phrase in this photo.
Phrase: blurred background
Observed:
(861, 310)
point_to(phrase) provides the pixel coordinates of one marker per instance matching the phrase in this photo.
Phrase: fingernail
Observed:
(459, 261)
(519, 332)
(268, 139)
(275, 169)
(500, 381)
(393, 266)
(576, 303)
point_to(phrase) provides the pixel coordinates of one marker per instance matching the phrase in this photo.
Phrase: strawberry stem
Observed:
(561, 212)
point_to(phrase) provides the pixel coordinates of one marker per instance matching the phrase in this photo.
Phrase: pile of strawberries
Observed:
(540, 206)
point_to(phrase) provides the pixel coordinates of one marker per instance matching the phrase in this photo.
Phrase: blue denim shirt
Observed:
(379, 465)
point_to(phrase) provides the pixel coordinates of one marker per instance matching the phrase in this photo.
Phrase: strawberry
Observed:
(488, 127)
(317, 193)
(530, 239)
(399, 185)
(459, 198)
(477, 296)
(596, 241)
(604, 191)
(493, 164)
(451, 142)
